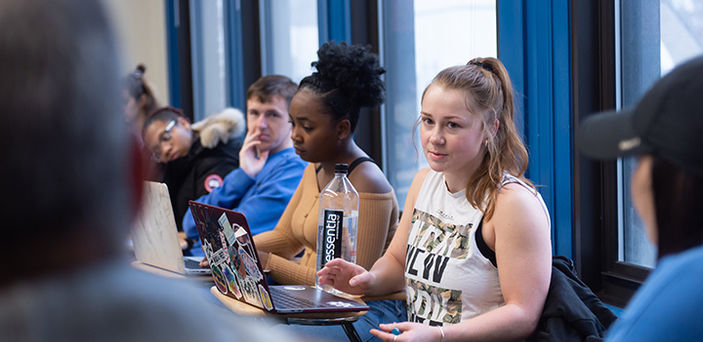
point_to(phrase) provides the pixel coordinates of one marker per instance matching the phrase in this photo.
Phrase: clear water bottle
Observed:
(337, 222)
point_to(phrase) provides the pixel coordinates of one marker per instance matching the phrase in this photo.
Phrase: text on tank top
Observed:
(447, 278)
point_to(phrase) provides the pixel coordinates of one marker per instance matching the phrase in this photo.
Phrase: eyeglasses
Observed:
(164, 137)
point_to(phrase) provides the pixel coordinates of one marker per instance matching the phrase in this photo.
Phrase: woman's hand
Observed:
(251, 158)
(346, 277)
(408, 332)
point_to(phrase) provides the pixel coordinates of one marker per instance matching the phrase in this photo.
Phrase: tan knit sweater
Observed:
(297, 230)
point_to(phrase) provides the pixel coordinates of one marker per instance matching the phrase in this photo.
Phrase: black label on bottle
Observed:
(332, 235)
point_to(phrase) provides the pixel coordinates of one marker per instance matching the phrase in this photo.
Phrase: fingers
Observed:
(338, 263)
(250, 161)
(359, 279)
(252, 135)
(383, 336)
(326, 281)
(328, 276)
(335, 266)
(251, 146)
(252, 138)
(402, 326)
(326, 272)
(392, 331)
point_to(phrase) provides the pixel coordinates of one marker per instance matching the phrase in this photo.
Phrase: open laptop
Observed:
(237, 271)
(155, 236)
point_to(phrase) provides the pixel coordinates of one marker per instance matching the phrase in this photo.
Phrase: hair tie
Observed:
(137, 73)
(487, 67)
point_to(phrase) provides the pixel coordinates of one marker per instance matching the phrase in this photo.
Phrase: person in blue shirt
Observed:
(664, 130)
(269, 170)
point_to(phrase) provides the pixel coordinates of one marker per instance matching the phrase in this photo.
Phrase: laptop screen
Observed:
(154, 235)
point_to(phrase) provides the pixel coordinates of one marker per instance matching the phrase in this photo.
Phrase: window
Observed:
(654, 37)
(208, 58)
(419, 39)
(621, 48)
(289, 37)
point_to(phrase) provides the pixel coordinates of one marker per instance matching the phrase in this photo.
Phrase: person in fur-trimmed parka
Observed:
(197, 156)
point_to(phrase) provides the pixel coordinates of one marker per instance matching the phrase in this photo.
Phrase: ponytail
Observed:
(487, 84)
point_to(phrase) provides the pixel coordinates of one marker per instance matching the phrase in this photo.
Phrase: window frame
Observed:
(595, 59)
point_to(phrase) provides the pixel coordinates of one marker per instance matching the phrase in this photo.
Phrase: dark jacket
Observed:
(211, 157)
(571, 312)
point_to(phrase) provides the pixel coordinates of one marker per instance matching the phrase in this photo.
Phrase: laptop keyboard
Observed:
(193, 264)
(286, 299)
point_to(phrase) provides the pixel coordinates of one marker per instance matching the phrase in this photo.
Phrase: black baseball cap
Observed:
(667, 123)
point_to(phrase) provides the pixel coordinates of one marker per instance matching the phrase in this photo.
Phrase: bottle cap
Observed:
(341, 168)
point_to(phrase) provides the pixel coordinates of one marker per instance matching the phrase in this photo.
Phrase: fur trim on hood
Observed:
(220, 127)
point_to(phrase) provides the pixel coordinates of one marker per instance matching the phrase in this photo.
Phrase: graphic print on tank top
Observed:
(427, 256)
(447, 279)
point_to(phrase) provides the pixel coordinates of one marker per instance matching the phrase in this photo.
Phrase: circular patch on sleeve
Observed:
(212, 181)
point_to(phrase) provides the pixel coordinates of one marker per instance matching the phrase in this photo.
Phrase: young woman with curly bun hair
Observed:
(324, 113)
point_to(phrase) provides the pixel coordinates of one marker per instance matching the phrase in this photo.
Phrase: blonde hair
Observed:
(490, 92)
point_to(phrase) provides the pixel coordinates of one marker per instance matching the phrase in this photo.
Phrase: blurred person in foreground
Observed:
(71, 185)
(665, 132)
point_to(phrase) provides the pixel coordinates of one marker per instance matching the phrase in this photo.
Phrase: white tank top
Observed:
(447, 279)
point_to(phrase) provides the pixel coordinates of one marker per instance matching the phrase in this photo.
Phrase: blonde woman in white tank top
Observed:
(472, 250)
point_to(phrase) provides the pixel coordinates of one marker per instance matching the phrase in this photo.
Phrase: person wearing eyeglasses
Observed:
(195, 157)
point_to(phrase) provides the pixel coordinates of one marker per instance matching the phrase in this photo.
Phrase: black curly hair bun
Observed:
(352, 69)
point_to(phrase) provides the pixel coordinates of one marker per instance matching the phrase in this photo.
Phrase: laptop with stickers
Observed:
(237, 271)
(155, 236)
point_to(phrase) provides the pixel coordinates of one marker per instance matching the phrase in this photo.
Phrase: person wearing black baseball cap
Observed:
(665, 131)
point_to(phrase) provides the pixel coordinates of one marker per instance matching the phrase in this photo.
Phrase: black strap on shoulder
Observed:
(483, 247)
(358, 161)
(353, 165)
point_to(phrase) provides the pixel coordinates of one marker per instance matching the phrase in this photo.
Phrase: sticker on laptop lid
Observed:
(232, 282)
(250, 291)
(244, 240)
(250, 265)
(226, 228)
(236, 262)
(220, 281)
(340, 304)
(265, 299)
(219, 257)
(223, 242)
(239, 231)
(207, 248)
